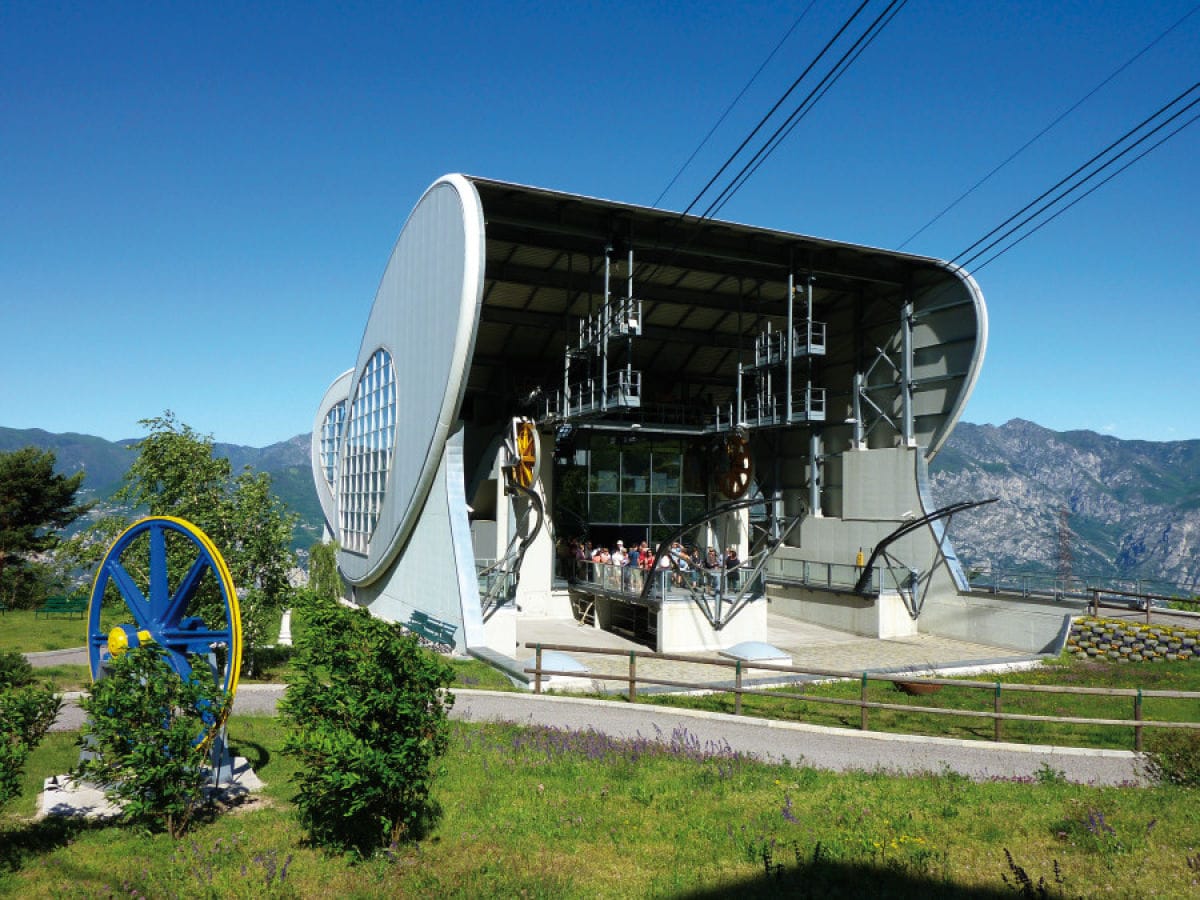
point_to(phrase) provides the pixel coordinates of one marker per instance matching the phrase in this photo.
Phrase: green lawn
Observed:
(1172, 676)
(542, 813)
(25, 632)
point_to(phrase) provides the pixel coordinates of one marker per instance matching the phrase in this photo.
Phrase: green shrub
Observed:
(1173, 757)
(15, 670)
(367, 714)
(26, 713)
(144, 724)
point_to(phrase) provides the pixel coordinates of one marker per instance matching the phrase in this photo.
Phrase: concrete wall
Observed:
(535, 592)
(435, 573)
(1035, 626)
(882, 490)
(682, 627)
(877, 617)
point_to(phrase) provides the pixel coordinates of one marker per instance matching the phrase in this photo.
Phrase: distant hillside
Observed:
(106, 462)
(1133, 506)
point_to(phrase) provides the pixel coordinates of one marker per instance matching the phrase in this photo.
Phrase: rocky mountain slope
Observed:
(1132, 507)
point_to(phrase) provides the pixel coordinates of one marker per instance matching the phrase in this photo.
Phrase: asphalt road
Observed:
(825, 748)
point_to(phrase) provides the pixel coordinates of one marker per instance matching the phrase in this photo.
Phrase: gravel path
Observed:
(825, 748)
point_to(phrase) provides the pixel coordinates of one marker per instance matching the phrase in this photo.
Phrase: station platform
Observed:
(804, 643)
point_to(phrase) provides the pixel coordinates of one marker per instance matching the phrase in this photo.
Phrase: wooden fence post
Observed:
(1137, 717)
(632, 676)
(996, 719)
(863, 703)
(537, 669)
(737, 689)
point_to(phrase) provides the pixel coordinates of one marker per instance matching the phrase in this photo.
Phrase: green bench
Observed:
(435, 631)
(63, 606)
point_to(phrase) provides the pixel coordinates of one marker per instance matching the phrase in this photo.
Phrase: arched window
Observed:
(331, 440)
(370, 437)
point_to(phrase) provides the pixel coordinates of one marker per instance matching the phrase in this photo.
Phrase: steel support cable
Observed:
(819, 91)
(1068, 191)
(1094, 187)
(778, 103)
(1081, 168)
(1078, 103)
(831, 78)
(735, 101)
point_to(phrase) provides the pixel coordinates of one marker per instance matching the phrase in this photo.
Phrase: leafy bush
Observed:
(1174, 757)
(323, 577)
(368, 717)
(144, 723)
(15, 670)
(26, 713)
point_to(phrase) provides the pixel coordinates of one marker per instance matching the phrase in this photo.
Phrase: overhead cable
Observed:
(778, 103)
(734, 103)
(1058, 119)
(848, 58)
(967, 256)
(1094, 187)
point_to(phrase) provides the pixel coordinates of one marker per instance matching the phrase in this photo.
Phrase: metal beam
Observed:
(500, 315)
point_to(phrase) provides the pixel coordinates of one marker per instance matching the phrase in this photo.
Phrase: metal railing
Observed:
(770, 347)
(628, 582)
(808, 405)
(621, 317)
(1142, 604)
(1046, 584)
(994, 689)
(621, 390)
(837, 576)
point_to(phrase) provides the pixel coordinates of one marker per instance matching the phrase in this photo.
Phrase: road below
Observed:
(811, 745)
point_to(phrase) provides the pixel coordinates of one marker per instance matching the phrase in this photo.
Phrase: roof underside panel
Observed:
(707, 290)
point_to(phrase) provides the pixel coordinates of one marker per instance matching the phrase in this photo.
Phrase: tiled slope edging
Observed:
(1130, 642)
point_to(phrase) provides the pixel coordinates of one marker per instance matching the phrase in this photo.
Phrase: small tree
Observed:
(26, 712)
(368, 718)
(176, 473)
(144, 725)
(323, 578)
(34, 504)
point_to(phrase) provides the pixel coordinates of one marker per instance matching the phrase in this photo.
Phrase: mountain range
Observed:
(1092, 503)
(106, 462)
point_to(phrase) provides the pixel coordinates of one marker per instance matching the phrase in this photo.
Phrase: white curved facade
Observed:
(490, 286)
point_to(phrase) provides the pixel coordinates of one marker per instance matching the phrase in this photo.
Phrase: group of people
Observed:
(687, 564)
(709, 564)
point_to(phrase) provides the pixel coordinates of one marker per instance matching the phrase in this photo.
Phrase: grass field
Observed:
(1172, 676)
(24, 631)
(544, 813)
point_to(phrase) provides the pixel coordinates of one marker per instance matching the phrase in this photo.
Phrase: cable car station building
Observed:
(541, 372)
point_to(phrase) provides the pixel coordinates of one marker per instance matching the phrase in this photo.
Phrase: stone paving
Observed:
(806, 644)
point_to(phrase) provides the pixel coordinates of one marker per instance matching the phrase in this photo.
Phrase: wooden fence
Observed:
(995, 688)
(1144, 605)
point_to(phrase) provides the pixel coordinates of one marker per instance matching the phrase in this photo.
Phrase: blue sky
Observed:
(199, 199)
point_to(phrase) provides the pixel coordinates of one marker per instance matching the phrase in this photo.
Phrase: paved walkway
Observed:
(826, 748)
(806, 644)
(835, 749)
(811, 745)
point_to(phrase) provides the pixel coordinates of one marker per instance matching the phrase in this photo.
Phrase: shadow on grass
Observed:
(22, 841)
(849, 880)
(254, 753)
